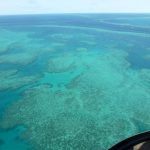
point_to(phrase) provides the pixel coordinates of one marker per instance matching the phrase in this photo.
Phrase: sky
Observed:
(8, 7)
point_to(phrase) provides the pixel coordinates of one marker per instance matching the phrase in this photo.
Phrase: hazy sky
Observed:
(72, 6)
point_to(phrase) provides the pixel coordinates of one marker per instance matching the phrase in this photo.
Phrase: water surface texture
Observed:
(73, 81)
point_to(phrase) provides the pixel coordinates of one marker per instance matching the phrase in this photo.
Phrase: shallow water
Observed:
(73, 82)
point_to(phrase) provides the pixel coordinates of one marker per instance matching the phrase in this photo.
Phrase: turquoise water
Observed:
(73, 81)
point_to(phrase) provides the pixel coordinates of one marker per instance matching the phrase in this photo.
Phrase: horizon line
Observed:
(61, 13)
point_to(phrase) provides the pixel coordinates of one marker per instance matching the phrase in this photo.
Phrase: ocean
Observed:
(73, 81)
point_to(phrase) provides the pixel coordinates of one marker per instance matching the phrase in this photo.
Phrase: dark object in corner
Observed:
(137, 142)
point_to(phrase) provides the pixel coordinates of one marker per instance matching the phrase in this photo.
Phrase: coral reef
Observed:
(94, 111)
(19, 58)
(55, 120)
(72, 61)
(10, 79)
(87, 97)
(63, 64)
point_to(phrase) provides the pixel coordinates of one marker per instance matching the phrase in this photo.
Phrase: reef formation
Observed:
(94, 110)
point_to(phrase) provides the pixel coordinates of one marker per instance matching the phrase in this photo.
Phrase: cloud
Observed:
(68, 6)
